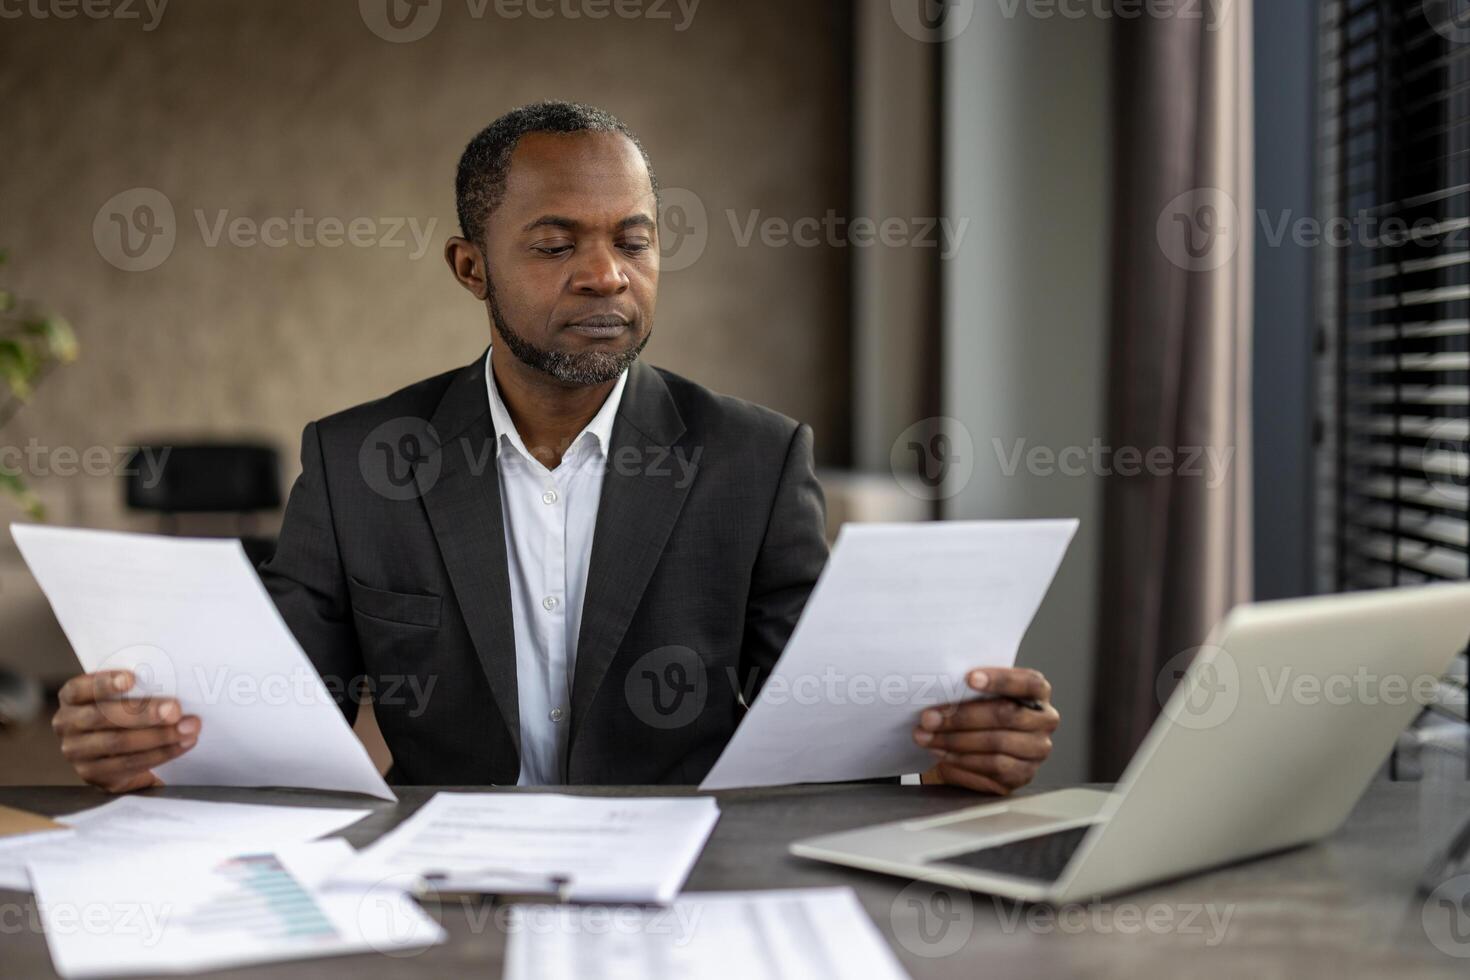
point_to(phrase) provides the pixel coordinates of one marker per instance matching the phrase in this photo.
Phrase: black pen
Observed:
(1029, 703)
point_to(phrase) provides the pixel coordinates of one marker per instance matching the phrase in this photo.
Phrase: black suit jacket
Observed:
(391, 571)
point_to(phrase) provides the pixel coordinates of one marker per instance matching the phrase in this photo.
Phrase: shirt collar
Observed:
(598, 432)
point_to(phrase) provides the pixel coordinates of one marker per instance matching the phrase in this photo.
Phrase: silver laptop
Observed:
(1276, 727)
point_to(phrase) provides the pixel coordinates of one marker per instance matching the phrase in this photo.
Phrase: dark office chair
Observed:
(176, 479)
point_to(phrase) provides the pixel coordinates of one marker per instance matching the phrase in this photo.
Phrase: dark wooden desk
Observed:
(1342, 909)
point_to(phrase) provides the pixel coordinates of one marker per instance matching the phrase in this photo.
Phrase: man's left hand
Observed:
(991, 744)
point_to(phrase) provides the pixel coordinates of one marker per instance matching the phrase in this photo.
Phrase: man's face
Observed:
(572, 253)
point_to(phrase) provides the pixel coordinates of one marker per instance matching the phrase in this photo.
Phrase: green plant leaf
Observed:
(17, 366)
(62, 339)
(14, 487)
(57, 334)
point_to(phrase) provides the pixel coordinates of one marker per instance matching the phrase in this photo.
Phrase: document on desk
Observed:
(154, 826)
(604, 849)
(901, 614)
(204, 908)
(192, 620)
(18, 825)
(773, 935)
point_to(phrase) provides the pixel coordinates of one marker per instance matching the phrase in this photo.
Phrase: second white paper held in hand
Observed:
(192, 620)
(901, 614)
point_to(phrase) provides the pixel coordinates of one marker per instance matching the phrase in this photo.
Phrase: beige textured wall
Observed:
(263, 107)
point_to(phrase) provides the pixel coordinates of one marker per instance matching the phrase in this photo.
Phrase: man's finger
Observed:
(124, 713)
(109, 771)
(1003, 769)
(1021, 745)
(989, 713)
(143, 780)
(85, 746)
(955, 776)
(1013, 682)
(101, 686)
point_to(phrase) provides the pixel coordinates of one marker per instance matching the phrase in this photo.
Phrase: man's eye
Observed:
(636, 247)
(552, 249)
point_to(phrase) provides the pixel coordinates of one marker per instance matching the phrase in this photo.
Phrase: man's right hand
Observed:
(113, 741)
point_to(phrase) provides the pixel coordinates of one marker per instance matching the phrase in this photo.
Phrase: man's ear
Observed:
(468, 264)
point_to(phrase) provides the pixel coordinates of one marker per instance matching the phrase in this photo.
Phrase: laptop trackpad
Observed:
(1006, 822)
(980, 828)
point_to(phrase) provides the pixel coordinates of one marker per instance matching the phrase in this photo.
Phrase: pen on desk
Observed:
(439, 887)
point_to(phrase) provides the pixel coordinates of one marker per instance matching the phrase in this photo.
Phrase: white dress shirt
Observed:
(549, 516)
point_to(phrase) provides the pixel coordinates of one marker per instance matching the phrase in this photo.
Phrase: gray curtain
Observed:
(1176, 536)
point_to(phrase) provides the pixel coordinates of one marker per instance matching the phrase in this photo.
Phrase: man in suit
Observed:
(555, 564)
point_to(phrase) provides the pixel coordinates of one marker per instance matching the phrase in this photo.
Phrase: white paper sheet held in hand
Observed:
(900, 615)
(193, 621)
(605, 849)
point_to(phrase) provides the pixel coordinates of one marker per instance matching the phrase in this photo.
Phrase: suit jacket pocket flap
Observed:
(409, 608)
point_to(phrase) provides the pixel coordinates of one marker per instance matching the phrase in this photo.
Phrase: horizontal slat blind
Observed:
(1393, 434)
(1394, 303)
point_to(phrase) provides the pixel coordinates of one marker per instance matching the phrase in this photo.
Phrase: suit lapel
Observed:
(460, 487)
(642, 493)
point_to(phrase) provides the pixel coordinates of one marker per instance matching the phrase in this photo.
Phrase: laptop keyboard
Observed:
(1043, 857)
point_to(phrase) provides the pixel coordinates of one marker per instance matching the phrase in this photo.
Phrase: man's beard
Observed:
(593, 367)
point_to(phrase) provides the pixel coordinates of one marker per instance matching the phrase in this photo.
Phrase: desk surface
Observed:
(1345, 908)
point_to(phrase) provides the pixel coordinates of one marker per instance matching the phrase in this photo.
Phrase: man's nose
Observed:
(600, 274)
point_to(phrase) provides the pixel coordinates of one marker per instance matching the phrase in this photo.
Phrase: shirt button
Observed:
(549, 497)
(549, 603)
(557, 714)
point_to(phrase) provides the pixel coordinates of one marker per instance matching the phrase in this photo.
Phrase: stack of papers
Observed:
(203, 908)
(192, 620)
(901, 614)
(153, 827)
(775, 935)
(593, 849)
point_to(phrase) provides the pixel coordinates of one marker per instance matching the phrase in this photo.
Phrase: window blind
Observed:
(1392, 454)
